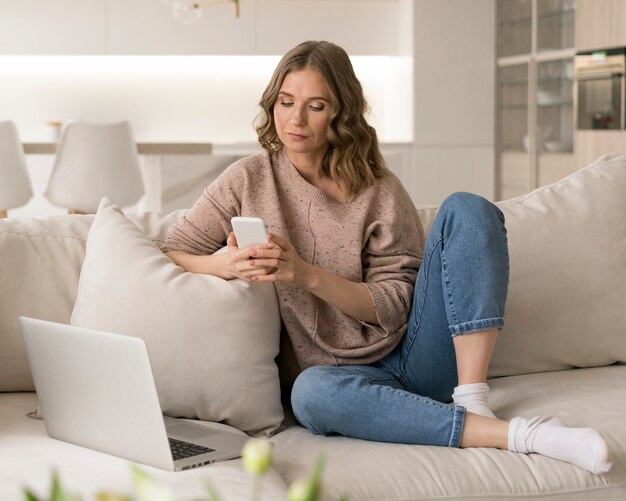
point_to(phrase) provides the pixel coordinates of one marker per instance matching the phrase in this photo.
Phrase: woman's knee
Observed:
(471, 205)
(311, 395)
(468, 201)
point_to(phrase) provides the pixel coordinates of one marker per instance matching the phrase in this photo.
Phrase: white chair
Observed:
(15, 187)
(94, 161)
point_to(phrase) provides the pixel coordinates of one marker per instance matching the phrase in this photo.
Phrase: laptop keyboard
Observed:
(182, 450)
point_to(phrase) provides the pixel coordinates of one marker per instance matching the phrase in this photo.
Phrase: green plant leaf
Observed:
(211, 491)
(148, 489)
(29, 496)
(58, 493)
(314, 483)
(311, 488)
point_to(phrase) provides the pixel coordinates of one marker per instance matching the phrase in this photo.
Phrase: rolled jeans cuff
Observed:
(476, 325)
(458, 418)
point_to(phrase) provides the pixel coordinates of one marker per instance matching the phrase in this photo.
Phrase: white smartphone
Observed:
(249, 231)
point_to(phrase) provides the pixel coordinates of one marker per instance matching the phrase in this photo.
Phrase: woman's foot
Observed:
(583, 447)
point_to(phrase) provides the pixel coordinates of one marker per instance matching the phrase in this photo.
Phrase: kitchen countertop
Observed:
(143, 148)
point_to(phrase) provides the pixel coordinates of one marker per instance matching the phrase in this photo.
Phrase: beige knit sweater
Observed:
(376, 239)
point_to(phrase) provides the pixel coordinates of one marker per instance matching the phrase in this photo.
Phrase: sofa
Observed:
(562, 352)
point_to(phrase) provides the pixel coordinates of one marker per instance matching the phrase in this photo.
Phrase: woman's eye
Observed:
(286, 104)
(317, 108)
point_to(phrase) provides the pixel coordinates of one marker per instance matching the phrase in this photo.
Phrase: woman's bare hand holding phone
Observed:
(240, 261)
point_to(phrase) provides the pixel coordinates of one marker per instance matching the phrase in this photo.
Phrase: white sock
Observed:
(583, 447)
(474, 397)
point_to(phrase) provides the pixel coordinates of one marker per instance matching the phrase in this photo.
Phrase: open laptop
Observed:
(96, 389)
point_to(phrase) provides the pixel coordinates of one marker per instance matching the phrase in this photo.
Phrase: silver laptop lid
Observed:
(97, 390)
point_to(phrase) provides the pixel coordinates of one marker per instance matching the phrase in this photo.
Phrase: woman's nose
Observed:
(298, 117)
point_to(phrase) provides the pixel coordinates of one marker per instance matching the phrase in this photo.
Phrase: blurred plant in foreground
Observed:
(257, 459)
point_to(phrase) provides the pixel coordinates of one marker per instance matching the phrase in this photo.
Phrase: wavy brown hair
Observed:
(353, 159)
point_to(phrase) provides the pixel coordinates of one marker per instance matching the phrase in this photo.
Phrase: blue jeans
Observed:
(404, 398)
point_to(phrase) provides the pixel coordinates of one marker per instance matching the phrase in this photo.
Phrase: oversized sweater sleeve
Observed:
(204, 228)
(391, 256)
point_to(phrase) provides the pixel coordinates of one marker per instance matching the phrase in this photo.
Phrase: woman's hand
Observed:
(240, 262)
(282, 262)
(278, 261)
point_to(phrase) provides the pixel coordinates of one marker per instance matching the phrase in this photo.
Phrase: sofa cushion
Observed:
(377, 471)
(566, 304)
(212, 342)
(40, 262)
(28, 458)
(567, 247)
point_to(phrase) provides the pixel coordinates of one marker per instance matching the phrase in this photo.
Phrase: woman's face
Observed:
(302, 114)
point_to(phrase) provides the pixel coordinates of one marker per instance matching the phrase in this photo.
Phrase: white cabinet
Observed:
(370, 27)
(144, 27)
(453, 100)
(147, 27)
(60, 27)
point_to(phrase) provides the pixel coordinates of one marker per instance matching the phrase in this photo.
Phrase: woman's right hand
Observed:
(238, 260)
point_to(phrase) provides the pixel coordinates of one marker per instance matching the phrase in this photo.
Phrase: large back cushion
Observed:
(567, 293)
(40, 263)
(566, 304)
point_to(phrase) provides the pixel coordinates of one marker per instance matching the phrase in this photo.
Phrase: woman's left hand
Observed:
(283, 257)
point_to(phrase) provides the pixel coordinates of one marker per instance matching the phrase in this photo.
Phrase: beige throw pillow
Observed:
(567, 292)
(212, 342)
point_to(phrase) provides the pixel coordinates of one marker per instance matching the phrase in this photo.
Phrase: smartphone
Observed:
(249, 231)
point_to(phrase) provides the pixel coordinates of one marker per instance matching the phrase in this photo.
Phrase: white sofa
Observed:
(562, 352)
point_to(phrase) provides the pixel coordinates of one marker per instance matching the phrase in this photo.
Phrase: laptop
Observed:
(96, 390)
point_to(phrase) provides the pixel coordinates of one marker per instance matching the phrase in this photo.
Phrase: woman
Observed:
(344, 251)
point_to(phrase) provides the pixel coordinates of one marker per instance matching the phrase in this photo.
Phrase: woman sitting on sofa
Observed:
(344, 252)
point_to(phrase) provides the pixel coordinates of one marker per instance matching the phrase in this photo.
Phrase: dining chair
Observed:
(93, 161)
(15, 187)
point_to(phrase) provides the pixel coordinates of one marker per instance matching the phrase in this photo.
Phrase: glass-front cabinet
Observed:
(535, 47)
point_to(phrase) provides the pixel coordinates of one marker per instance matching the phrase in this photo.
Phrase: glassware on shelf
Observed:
(514, 27)
(555, 24)
(555, 105)
(512, 106)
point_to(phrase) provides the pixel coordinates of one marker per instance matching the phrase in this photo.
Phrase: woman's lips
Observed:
(295, 136)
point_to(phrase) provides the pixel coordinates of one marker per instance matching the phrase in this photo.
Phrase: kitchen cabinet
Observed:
(147, 27)
(592, 144)
(62, 27)
(600, 24)
(534, 97)
(371, 27)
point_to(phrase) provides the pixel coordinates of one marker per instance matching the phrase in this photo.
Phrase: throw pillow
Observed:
(212, 342)
(567, 246)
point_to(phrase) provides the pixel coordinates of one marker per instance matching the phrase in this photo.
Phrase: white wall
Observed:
(428, 67)
(454, 75)
(171, 98)
(106, 60)
(140, 27)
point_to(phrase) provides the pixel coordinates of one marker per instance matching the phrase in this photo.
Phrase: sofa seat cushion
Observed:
(28, 457)
(376, 471)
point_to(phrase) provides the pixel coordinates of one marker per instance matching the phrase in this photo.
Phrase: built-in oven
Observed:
(599, 89)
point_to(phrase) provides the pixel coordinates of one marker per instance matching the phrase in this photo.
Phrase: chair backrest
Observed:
(93, 161)
(15, 187)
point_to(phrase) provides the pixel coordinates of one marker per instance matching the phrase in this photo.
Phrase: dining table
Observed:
(151, 157)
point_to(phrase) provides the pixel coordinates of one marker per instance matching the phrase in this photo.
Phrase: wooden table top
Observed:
(143, 148)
